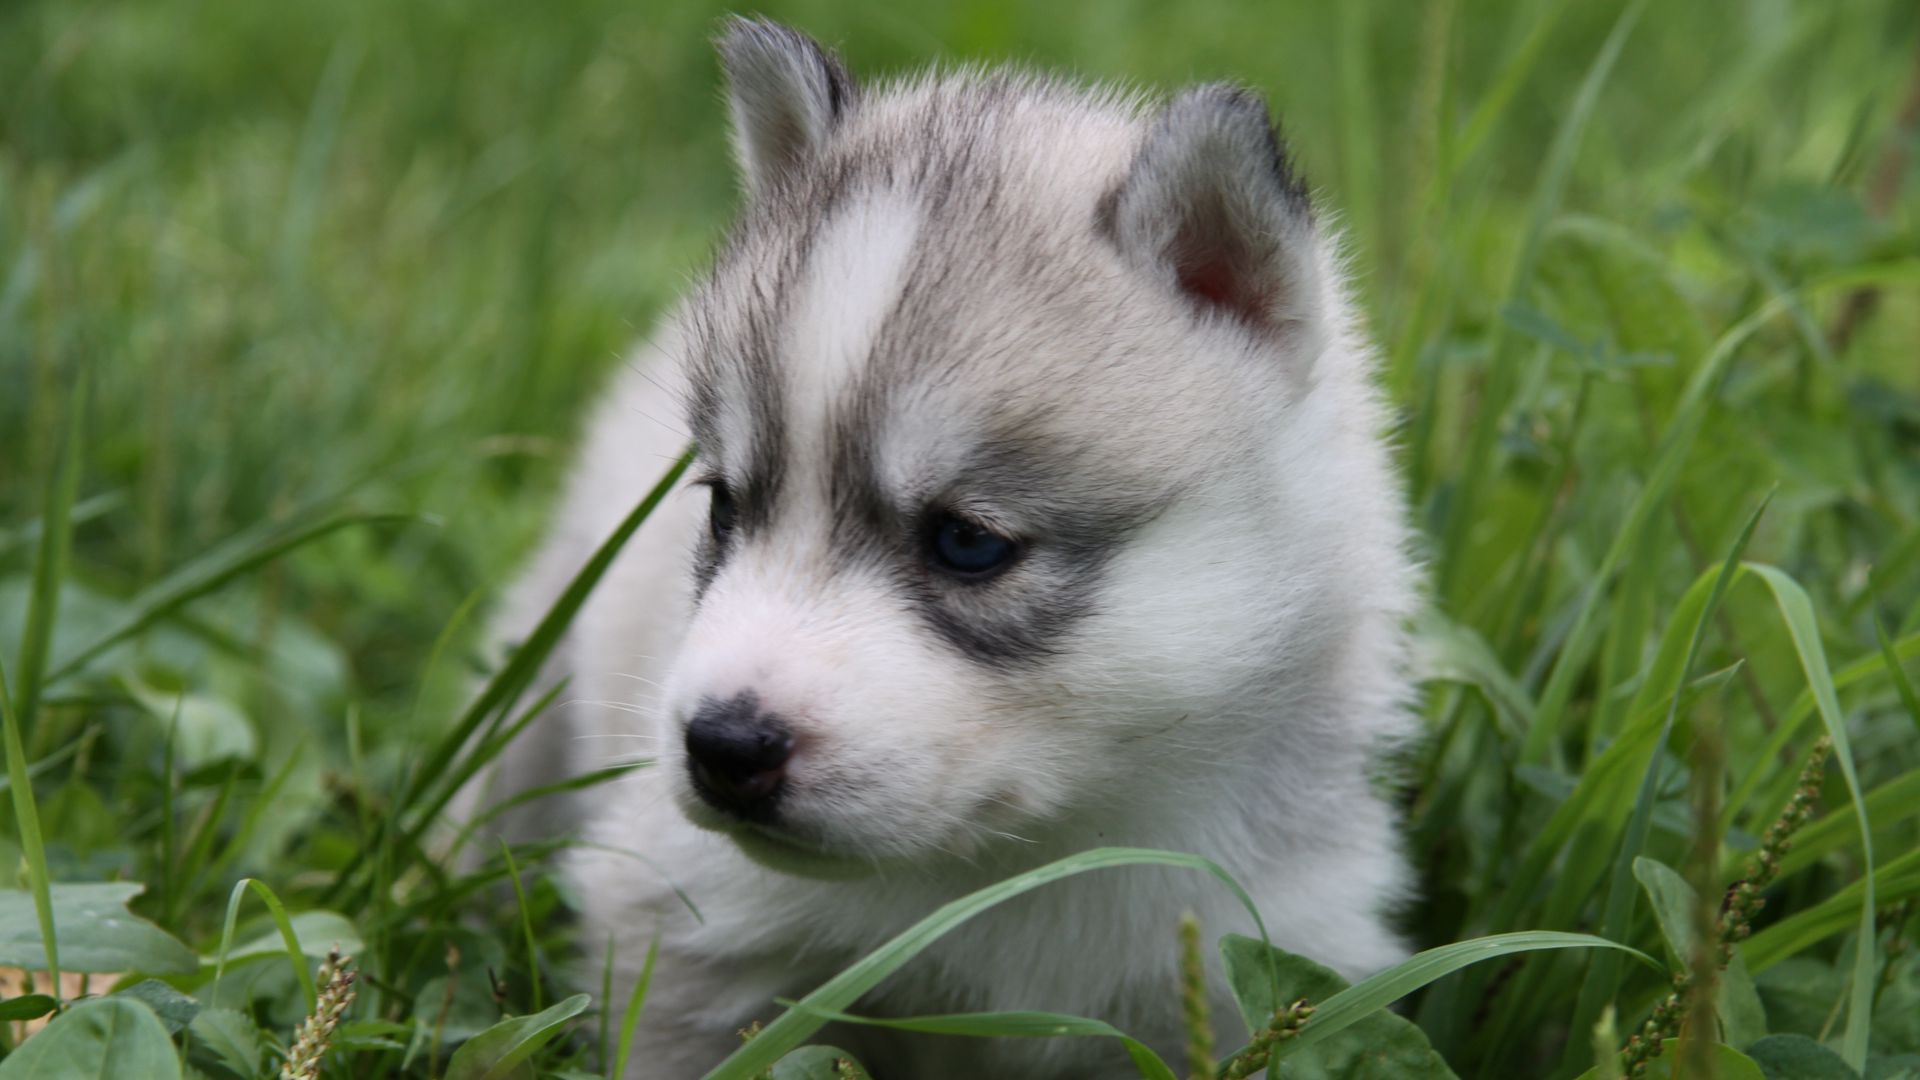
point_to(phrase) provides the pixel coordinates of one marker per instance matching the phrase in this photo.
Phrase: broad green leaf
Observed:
(815, 1063)
(793, 1026)
(175, 1009)
(1797, 1057)
(371, 1035)
(26, 1007)
(1673, 901)
(1894, 1067)
(467, 1006)
(228, 1039)
(205, 728)
(1799, 994)
(97, 932)
(1743, 1018)
(1381, 1044)
(110, 1038)
(502, 1051)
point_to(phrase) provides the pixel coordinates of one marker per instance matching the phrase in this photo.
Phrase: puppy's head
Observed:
(1037, 456)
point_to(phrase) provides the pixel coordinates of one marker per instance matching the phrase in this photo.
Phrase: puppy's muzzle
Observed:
(737, 756)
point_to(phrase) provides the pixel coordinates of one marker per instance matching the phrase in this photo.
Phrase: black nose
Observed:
(737, 755)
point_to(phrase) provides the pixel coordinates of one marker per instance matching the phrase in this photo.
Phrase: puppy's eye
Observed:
(967, 549)
(720, 513)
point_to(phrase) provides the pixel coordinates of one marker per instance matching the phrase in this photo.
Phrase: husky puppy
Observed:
(1041, 504)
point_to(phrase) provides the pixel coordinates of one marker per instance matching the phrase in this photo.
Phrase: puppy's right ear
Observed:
(1212, 207)
(786, 94)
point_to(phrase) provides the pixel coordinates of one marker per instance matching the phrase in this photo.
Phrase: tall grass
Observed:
(299, 306)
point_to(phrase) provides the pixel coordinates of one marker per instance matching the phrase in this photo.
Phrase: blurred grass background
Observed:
(382, 253)
(391, 248)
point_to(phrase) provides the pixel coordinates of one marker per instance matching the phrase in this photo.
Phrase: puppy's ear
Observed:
(785, 92)
(1211, 207)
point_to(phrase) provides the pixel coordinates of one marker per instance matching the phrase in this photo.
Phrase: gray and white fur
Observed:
(1105, 333)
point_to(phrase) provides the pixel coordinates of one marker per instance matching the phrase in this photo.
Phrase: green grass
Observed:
(300, 305)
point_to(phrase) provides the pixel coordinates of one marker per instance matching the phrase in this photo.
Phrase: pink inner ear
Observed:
(1214, 280)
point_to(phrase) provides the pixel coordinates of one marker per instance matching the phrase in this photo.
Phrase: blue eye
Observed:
(720, 514)
(968, 550)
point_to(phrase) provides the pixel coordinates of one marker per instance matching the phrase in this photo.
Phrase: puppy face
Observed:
(986, 391)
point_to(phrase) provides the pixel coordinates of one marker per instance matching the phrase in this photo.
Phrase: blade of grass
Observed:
(85, 510)
(1004, 1025)
(1894, 881)
(1356, 1002)
(441, 642)
(1675, 445)
(1797, 609)
(26, 815)
(533, 794)
(1452, 156)
(1890, 803)
(1359, 119)
(200, 845)
(1603, 976)
(1602, 777)
(260, 806)
(793, 1026)
(50, 569)
(1795, 717)
(363, 821)
(1601, 788)
(604, 1018)
(630, 1018)
(278, 913)
(1513, 74)
(526, 923)
(491, 743)
(1897, 674)
(248, 551)
(57, 758)
(507, 684)
(533, 652)
(169, 838)
(1555, 170)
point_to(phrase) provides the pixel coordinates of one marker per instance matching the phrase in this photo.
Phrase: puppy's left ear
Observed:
(786, 94)
(1211, 207)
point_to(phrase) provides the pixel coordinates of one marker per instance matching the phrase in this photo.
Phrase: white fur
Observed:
(1228, 695)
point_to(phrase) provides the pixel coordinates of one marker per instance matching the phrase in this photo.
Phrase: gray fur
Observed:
(786, 95)
(973, 293)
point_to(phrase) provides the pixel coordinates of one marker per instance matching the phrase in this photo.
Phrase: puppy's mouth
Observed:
(779, 851)
(766, 843)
